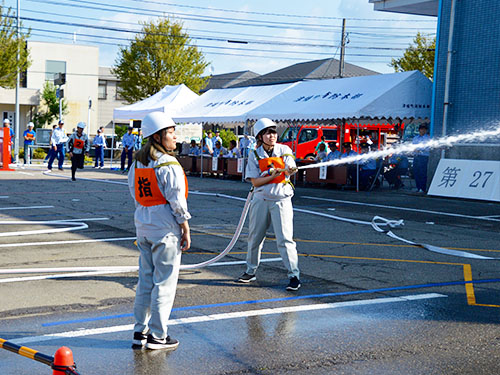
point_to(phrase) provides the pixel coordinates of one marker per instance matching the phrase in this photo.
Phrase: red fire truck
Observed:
(303, 139)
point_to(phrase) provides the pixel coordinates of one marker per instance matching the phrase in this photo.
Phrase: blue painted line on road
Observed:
(310, 296)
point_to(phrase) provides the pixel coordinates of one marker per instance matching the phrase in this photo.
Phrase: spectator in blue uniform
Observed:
(29, 137)
(367, 169)
(128, 143)
(334, 152)
(421, 159)
(100, 144)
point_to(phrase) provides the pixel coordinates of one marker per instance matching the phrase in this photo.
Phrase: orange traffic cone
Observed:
(6, 150)
(63, 361)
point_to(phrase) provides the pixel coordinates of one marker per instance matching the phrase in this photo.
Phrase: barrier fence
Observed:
(62, 363)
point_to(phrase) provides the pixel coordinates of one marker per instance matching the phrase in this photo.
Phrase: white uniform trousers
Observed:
(159, 265)
(280, 214)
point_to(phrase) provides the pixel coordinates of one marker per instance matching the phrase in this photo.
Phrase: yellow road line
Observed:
(346, 242)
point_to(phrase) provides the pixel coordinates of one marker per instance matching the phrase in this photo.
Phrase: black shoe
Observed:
(73, 179)
(60, 169)
(166, 343)
(246, 278)
(139, 340)
(294, 284)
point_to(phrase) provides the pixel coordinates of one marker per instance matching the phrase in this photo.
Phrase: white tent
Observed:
(397, 95)
(229, 105)
(169, 99)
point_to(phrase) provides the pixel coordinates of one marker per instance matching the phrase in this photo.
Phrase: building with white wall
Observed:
(80, 64)
(108, 99)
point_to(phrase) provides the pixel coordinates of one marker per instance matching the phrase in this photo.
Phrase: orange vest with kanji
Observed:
(147, 191)
(273, 162)
(78, 143)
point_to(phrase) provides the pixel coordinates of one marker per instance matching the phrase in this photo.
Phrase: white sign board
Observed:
(475, 179)
(215, 163)
(239, 167)
(322, 172)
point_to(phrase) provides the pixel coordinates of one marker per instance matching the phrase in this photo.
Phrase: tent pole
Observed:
(359, 152)
(245, 130)
(112, 147)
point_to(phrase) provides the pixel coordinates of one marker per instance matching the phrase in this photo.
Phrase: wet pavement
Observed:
(369, 304)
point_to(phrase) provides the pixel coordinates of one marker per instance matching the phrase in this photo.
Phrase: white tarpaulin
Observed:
(169, 99)
(229, 105)
(397, 95)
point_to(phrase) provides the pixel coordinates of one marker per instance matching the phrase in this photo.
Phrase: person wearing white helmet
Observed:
(158, 185)
(29, 136)
(269, 169)
(78, 146)
(58, 140)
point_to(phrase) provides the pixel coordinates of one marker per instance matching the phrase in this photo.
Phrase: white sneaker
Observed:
(48, 171)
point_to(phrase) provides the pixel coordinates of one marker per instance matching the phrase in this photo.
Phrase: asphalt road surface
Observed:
(369, 303)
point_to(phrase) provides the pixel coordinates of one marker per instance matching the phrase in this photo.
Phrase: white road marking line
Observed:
(402, 208)
(231, 315)
(4, 196)
(24, 208)
(236, 262)
(26, 173)
(66, 242)
(88, 271)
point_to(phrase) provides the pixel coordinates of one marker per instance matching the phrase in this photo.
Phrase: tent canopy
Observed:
(397, 95)
(229, 105)
(169, 99)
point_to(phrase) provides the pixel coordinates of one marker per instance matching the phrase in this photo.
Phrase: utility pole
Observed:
(342, 50)
(18, 78)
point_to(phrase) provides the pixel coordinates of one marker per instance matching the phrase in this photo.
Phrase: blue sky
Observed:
(270, 34)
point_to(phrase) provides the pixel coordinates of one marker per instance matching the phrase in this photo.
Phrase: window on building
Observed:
(102, 90)
(52, 67)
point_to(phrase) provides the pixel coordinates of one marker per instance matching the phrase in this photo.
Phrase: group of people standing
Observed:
(212, 145)
(398, 163)
(77, 145)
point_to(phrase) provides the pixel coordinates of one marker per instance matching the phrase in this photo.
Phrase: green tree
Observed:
(227, 136)
(120, 131)
(161, 54)
(50, 106)
(9, 45)
(419, 56)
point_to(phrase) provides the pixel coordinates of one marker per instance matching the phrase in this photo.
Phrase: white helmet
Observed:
(154, 122)
(262, 124)
(6, 121)
(81, 125)
(30, 124)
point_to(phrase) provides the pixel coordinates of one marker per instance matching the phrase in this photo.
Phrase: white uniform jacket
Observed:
(272, 192)
(162, 219)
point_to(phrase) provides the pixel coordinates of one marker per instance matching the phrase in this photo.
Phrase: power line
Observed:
(190, 29)
(272, 14)
(187, 16)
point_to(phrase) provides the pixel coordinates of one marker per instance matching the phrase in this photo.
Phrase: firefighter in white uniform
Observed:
(269, 169)
(159, 187)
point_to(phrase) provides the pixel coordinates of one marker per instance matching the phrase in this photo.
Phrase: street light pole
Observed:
(18, 78)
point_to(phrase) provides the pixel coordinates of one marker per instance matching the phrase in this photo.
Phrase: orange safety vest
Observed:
(147, 191)
(273, 162)
(78, 143)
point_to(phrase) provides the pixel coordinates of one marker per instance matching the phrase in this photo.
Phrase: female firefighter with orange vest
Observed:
(269, 169)
(159, 187)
